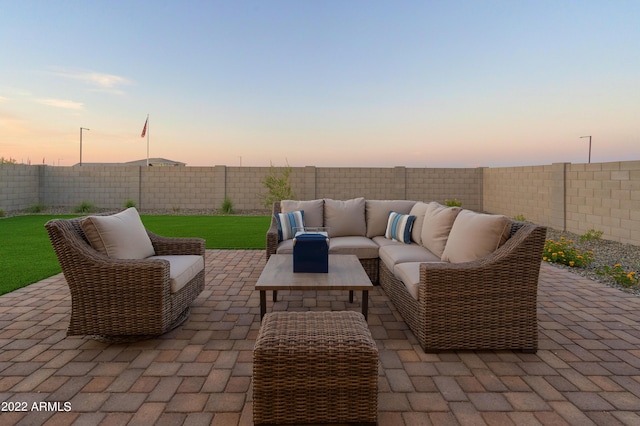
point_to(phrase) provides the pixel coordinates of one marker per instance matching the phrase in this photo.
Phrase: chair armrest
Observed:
(81, 263)
(165, 246)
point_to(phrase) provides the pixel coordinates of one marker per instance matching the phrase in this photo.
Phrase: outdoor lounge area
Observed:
(586, 370)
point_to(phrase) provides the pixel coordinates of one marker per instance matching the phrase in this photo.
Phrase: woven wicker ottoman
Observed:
(315, 367)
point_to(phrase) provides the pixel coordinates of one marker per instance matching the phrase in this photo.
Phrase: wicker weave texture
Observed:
(315, 367)
(111, 297)
(489, 304)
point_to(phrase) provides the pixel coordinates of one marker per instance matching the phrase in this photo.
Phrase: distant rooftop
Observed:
(155, 162)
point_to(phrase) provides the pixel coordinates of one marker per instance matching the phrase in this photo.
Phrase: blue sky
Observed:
(325, 83)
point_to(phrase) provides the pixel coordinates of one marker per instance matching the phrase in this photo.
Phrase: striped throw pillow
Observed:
(287, 222)
(399, 227)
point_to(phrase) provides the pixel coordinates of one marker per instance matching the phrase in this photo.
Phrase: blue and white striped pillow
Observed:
(287, 222)
(399, 227)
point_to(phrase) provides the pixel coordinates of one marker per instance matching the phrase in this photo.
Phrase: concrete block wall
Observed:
(180, 188)
(514, 191)
(18, 186)
(245, 186)
(604, 197)
(102, 186)
(575, 197)
(442, 184)
(343, 183)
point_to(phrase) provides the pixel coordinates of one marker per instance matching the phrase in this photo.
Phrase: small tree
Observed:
(278, 185)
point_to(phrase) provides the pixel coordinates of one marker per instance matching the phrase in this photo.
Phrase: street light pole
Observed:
(81, 129)
(589, 146)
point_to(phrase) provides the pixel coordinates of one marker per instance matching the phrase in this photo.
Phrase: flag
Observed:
(144, 129)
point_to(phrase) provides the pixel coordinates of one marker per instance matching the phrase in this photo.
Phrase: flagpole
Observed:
(147, 140)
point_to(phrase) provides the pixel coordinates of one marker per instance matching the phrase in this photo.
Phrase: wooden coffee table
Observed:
(345, 273)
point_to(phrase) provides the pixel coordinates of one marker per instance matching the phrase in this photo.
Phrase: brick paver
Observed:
(587, 370)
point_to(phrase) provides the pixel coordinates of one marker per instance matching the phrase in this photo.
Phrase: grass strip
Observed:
(220, 232)
(26, 255)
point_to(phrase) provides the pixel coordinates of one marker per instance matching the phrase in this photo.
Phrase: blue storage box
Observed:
(311, 252)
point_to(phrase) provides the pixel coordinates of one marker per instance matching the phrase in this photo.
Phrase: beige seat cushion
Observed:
(394, 254)
(313, 210)
(377, 214)
(382, 241)
(119, 236)
(285, 247)
(345, 218)
(475, 235)
(409, 274)
(182, 269)
(362, 247)
(438, 220)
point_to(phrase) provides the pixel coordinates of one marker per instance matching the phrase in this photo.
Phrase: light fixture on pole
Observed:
(81, 129)
(589, 146)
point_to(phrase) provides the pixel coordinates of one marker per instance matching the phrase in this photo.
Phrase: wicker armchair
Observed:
(488, 304)
(122, 298)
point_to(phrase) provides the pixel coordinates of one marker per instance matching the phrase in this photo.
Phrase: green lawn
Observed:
(26, 255)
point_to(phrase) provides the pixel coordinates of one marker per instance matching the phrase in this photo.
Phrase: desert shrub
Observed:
(84, 207)
(453, 203)
(591, 235)
(520, 217)
(619, 275)
(564, 253)
(129, 203)
(227, 206)
(36, 208)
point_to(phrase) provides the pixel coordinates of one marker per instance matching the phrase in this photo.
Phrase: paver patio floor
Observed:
(586, 371)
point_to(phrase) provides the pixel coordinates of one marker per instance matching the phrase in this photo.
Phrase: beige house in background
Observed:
(156, 162)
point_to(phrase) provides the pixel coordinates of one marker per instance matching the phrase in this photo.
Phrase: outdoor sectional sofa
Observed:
(461, 280)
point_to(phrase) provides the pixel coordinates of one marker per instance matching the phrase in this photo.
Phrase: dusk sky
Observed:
(324, 83)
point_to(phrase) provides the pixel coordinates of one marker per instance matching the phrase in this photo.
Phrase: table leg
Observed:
(350, 296)
(275, 296)
(263, 303)
(365, 304)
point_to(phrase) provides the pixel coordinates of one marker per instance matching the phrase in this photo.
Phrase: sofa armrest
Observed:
(516, 261)
(272, 232)
(166, 246)
(490, 302)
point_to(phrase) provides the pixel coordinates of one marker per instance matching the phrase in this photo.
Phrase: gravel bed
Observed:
(605, 252)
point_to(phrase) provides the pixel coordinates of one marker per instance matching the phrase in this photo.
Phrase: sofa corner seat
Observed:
(484, 304)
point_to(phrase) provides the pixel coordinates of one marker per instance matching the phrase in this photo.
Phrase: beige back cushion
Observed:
(377, 214)
(313, 210)
(119, 236)
(475, 235)
(345, 218)
(418, 210)
(438, 220)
